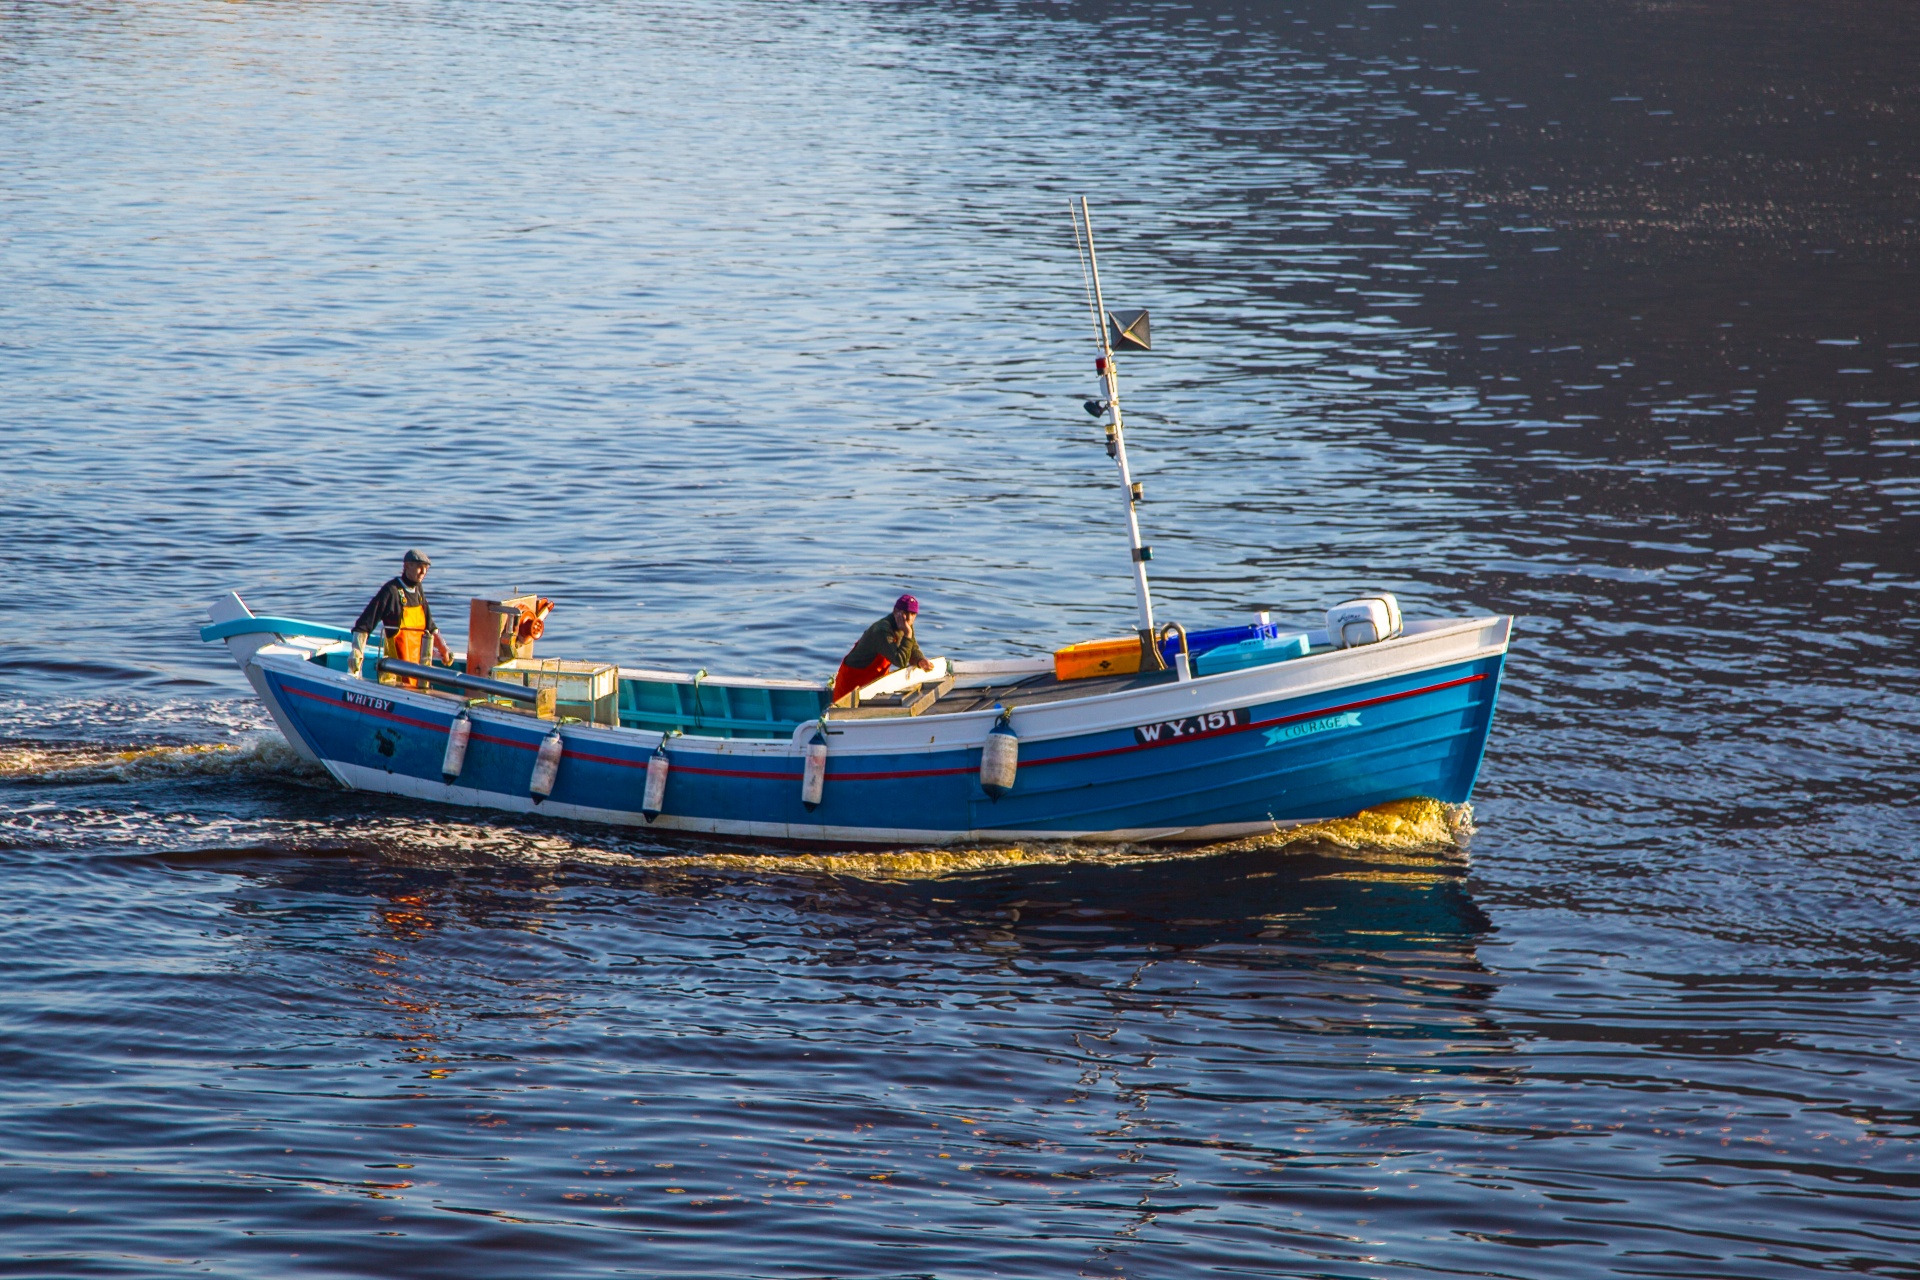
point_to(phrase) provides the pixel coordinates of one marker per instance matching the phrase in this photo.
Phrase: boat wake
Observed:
(1413, 827)
(1418, 831)
(1405, 831)
(68, 762)
(1407, 837)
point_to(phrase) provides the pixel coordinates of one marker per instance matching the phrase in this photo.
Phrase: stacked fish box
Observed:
(1199, 642)
(1213, 650)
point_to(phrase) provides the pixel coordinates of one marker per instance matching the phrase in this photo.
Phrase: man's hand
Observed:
(441, 651)
(924, 665)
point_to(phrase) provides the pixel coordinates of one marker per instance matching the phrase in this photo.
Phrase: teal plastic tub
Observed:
(1257, 652)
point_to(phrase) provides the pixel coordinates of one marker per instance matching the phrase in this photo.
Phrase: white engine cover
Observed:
(1367, 620)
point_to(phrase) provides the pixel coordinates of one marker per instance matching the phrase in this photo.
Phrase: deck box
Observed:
(1119, 656)
(1257, 652)
(1199, 642)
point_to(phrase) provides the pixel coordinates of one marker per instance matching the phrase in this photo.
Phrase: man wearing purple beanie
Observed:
(886, 645)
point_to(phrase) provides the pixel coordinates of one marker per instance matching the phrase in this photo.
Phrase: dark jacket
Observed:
(899, 647)
(387, 604)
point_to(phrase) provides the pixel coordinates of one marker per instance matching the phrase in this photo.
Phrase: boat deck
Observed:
(1044, 687)
(1021, 691)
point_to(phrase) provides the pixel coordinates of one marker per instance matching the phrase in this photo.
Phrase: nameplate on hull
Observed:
(1167, 731)
(362, 700)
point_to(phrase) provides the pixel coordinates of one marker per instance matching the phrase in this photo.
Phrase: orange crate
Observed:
(1120, 656)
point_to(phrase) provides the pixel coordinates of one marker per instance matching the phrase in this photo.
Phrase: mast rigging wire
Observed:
(1086, 275)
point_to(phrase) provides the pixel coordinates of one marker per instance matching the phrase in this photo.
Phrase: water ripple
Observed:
(719, 324)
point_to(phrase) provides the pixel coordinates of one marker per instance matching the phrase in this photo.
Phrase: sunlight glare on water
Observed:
(723, 324)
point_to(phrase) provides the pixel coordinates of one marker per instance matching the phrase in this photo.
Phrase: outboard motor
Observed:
(1367, 620)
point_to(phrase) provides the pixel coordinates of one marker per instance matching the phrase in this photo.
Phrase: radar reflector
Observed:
(1128, 331)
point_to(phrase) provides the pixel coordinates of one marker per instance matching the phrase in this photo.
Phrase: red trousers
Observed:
(847, 678)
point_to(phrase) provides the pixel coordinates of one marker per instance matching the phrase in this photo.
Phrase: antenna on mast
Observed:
(1127, 331)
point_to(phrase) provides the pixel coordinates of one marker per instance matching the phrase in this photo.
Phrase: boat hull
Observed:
(1181, 761)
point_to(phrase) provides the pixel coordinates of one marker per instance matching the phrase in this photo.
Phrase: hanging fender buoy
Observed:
(546, 767)
(813, 780)
(999, 758)
(456, 758)
(656, 795)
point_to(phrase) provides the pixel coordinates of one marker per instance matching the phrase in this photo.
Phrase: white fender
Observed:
(656, 793)
(999, 758)
(456, 758)
(546, 766)
(813, 782)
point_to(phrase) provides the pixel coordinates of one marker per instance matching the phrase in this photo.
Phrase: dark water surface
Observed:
(721, 324)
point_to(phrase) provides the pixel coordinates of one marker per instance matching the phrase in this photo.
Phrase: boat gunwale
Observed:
(1230, 689)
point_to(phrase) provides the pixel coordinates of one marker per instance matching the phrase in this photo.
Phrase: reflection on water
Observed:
(1025, 1039)
(719, 324)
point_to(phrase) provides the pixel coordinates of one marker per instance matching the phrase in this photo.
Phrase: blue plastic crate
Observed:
(1257, 652)
(1199, 642)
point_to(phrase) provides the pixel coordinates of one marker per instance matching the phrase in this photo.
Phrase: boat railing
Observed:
(250, 626)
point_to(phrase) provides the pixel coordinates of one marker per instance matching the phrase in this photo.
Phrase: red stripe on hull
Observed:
(894, 774)
(1257, 724)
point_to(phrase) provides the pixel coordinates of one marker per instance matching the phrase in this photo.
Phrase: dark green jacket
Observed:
(899, 647)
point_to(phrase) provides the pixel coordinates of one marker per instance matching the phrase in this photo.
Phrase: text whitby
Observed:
(1158, 735)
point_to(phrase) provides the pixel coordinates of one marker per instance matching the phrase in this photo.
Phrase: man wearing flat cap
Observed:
(400, 605)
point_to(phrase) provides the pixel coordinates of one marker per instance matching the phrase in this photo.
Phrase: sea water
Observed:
(723, 324)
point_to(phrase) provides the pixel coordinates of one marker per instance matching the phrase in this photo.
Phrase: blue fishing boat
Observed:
(1165, 735)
